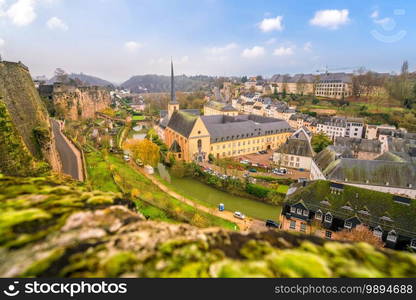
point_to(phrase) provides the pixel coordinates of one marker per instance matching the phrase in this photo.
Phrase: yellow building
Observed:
(221, 132)
(193, 138)
(219, 108)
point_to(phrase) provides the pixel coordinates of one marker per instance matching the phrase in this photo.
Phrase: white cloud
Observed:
(271, 24)
(222, 50)
(330, 18)
(2, 42)
(283, 51)
(307, 47)
(132, 46)
(22, 12)
(56, 23)
(256, 51)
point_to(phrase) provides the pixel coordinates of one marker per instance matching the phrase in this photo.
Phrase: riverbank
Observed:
(209, 196)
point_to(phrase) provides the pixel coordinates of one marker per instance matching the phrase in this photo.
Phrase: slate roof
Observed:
(225, 128)
(298, 144)
(371, 207)
(197, 112)
(222, 106)
(296, 147)
(182, 122)
(335, 78)
(175, 147)
(373, 172)
(164, 119)
(358, 145)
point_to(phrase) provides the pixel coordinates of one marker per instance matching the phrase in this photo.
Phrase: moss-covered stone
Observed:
(54, 227)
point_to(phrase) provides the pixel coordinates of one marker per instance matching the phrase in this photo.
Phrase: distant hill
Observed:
(161, 83)
(86, 79)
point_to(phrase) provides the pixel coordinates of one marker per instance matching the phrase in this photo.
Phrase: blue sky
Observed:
(116, 39)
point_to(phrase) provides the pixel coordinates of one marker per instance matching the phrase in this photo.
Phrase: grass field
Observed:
(150, 200)
(139, 118)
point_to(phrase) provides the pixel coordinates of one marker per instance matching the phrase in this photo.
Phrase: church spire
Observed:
(172, 84)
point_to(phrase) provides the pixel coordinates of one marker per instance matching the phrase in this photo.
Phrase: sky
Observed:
(116, 39)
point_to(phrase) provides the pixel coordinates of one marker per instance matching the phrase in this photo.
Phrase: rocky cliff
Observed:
(75, 103)
(52, 228)
(25, 133)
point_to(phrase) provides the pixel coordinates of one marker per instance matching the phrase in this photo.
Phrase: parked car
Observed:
(263, 152)
(271, 223)
(252, 170)
(126, 157)
(244, 162)
(254, 165)
(239, 215)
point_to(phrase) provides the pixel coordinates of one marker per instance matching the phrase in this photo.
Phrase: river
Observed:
(192, 188)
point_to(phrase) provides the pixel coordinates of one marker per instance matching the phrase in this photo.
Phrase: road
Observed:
(69, 155)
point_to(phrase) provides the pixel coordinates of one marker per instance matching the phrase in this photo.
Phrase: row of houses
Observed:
(329, 85)
(353, 182)
(324, 208)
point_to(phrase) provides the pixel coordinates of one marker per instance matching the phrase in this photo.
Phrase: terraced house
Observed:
(324, 208)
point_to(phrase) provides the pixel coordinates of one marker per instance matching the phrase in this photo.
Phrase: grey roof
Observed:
(374, 172)
(175, 147)
(225, 128)
(182, 122)
(197, 112)
(358, 145)
(335, 78)
(329, 155)
(299, 147)
(308, 78)
(371, 207)
(221, 106)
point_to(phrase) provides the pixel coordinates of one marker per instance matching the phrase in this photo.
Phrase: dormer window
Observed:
(413, 244)
(293, 210)
(392, 236)
(299, 211)
(378, 232)
(328, 218)
(318, 215)
(348, 224)
(305, 213)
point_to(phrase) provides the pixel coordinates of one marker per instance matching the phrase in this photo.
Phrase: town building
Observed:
(191, 137)
(341, 126)
(296, 152)
(390, 172)
(324, 208)
(173, 106)
(334, 85)
(219, 108)
(360, 148)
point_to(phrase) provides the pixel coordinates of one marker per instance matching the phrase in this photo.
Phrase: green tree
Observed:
(320, 141)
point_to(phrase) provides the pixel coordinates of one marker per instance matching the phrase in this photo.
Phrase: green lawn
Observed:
(100, 178)
(283, 188)
(139, 118)
(99, 174)
(151, 201)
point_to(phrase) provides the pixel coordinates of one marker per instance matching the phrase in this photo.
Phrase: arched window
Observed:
(199, 144)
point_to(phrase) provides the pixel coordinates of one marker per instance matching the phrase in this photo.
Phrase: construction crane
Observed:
(326, 70)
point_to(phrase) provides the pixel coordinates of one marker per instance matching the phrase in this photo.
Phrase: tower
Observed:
(173, 105)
